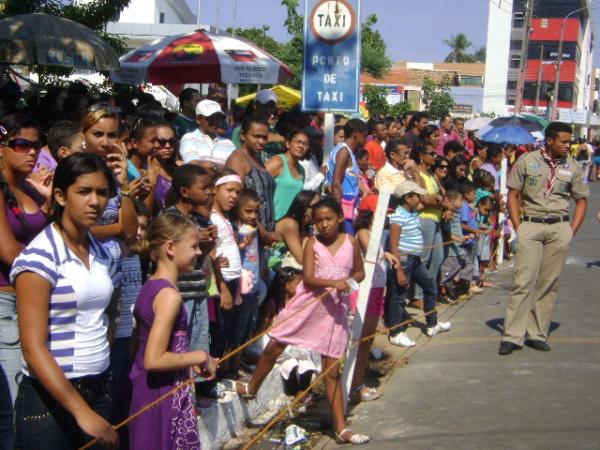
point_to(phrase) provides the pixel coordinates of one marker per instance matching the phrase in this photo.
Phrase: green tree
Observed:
(480, 54)
(437, 98)
(93, 14)
(374, 59)
(375, 98)
(459, 44)
(377, 104)
(259, 37)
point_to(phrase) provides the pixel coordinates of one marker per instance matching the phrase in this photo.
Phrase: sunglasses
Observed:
(163, 142)
(20, 145)
(287, 273)
(103, 107)
(430, 153)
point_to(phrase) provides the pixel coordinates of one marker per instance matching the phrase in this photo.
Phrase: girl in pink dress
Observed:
(330, 260)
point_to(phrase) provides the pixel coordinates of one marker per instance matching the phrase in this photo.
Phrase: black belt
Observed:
(546, 220)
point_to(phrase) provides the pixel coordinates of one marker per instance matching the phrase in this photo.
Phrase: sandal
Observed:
(364, 393)
(355, 439)
(242, 389)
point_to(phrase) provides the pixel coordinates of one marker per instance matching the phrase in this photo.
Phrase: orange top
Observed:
(376, 154)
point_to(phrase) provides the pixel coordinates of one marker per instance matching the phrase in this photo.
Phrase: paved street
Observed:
(458, 393)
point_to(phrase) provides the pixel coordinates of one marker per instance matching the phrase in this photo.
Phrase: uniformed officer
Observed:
(541, 185)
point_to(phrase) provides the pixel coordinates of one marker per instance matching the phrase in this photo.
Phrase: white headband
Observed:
(228, 179)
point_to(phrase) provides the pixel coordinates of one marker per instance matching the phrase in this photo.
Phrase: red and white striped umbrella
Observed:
(200, 57)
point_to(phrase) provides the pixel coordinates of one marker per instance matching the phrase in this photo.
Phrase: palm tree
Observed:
(459, 44)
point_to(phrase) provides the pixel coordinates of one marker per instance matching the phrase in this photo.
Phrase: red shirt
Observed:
(376, 154)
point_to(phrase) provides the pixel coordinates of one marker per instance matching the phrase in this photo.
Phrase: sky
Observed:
(414, 30)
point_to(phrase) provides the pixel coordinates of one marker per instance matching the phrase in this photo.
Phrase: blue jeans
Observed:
(432, 257)
(395, 301)
(10, 366)
(198, 324)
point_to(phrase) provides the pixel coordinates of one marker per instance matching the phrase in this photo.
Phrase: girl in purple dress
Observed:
(163, 360)
(332, 264)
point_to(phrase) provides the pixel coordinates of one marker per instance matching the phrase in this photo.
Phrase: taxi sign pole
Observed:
(329, 127)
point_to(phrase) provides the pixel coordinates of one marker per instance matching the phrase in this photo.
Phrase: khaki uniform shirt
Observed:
(529, 176)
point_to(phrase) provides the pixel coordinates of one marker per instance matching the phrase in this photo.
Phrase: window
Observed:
(516, 45)
(515, 61)
(518, 19)
(511, 85)
(161, 17)
(466, 80)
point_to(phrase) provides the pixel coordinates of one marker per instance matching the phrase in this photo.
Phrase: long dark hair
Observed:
(10, 126)
(299, 205)
(71, 168)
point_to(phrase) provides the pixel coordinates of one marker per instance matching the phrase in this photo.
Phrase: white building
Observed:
(144, 21)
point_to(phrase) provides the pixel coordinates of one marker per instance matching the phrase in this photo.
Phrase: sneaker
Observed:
(440, 327)
(402, 340)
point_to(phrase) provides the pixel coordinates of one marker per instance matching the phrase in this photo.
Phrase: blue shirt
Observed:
(350, 188)
(411, 236)
(468, 216)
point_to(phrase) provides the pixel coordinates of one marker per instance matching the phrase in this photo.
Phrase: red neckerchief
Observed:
(553, 165)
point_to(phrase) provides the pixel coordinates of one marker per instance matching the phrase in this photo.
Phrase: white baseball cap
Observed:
(265, 96)
(207, 108)
(409, 187)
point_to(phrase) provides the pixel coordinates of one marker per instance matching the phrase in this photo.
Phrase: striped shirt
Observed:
(77, 323)
(389, 177)
(411, 236)
(200, 146)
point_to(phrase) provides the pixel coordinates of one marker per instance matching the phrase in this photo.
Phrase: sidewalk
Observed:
(456, 392)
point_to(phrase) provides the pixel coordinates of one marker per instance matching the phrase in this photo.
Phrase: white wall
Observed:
(148, 11)
(584, 71)
(139, 11)
(498, 49)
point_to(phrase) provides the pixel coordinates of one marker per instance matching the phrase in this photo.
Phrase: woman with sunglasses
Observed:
(440, 172)
(161, 166)
(22, 217)
(431, 216)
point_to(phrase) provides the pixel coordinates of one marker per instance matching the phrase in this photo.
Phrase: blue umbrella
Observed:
(510, 134)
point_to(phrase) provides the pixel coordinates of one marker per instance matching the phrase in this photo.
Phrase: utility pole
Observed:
(554, 112)
(539, 80)
(523, 62)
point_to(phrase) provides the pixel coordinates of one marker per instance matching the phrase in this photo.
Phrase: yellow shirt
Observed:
(431, 212)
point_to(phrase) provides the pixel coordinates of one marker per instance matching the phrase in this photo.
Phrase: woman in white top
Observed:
(64, 284)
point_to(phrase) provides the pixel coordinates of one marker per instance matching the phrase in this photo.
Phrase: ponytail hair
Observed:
(166, 227)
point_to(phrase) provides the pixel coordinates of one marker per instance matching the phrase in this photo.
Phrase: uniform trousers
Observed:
(539, 262)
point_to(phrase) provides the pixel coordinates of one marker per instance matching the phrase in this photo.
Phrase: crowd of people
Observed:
(139, 246)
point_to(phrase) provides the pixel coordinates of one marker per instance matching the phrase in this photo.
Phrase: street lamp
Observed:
(554, 115)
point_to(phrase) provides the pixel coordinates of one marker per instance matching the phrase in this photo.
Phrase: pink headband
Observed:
(228, 179)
